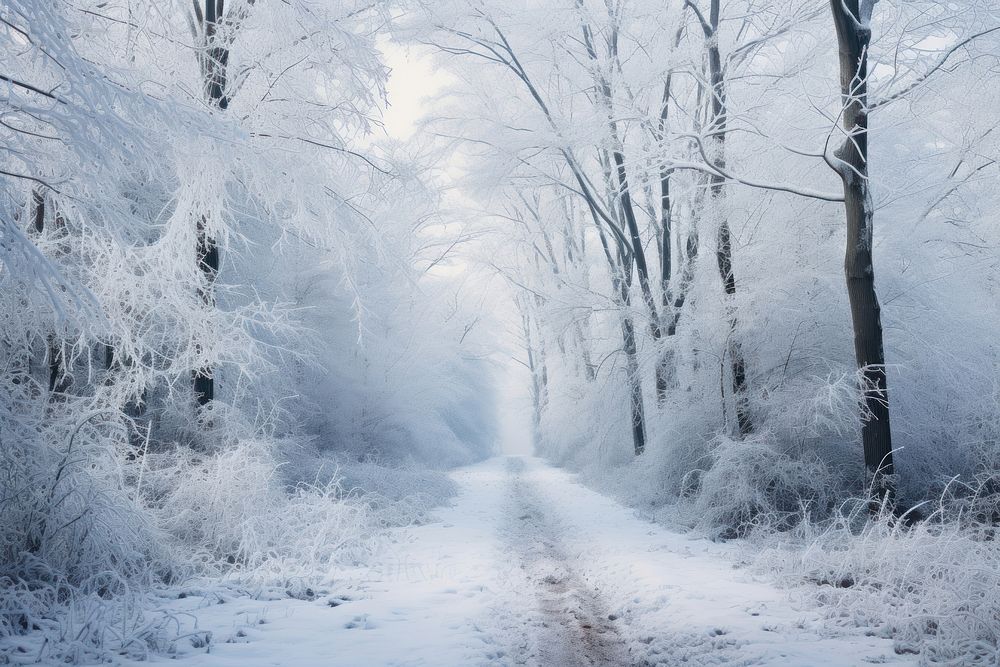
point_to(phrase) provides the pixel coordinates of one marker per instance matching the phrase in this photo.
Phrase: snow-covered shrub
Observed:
(229, 511)
(751, 484)
(929, 584)
(66, 625)
(66, 514)
(400, 495)
(77, 548)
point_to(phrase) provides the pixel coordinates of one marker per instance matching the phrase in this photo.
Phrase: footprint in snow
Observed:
(360, 623)
(337, 600)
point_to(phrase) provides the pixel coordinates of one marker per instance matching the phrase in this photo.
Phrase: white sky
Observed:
(413, 82)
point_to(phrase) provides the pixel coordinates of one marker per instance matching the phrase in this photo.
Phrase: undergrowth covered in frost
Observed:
(929, 583)
(81, 551)
(92, 519)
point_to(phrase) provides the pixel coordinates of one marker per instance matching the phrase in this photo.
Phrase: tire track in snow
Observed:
(573, 626)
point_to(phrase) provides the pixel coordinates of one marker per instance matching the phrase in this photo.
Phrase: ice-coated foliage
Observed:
(332, 352)
(534, 102)
(243, 332)
(927, 582)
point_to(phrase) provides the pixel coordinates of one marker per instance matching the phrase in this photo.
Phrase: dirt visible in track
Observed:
(574, 626)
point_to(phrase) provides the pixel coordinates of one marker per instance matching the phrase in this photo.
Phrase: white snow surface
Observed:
(526, 567)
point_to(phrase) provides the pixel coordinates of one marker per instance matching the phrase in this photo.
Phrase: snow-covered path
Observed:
(528, 567)
(570, 622)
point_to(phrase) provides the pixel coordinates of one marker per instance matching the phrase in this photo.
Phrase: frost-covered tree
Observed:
(692, 141)
(853, 27)
(186, 190)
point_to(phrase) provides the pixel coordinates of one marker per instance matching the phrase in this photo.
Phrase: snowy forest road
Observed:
(529, 567)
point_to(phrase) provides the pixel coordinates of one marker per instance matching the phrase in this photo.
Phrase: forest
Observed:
(469, 332)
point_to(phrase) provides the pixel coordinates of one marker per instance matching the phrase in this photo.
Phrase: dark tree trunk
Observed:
(663, 364)
(637, 411)
(621, 282)
(724, 247)
(214, 62)
(637, 408)
(853, 37)
(619, 178)
(38, 210)
(668, 326)
(638, 252)
(208, 264)
(58, 380)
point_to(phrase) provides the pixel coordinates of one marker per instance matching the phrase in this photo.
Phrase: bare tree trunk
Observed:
(673, 296)
(724, 247)
(59, 380)
(621, 282)
(637, 408)
(853, 38)
(207, 254)
(666, 360)
(38, 210)
(619, 179)
(214, 63)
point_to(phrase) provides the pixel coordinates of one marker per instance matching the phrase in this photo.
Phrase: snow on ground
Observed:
(527, 567)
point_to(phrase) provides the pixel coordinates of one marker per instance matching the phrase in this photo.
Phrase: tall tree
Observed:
(717, 131)
(852, 20)
(215, 36)
(492, 44)
(59, 378)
